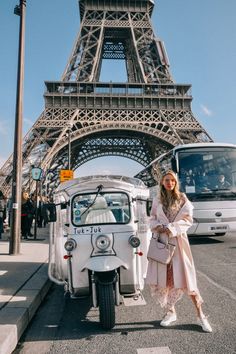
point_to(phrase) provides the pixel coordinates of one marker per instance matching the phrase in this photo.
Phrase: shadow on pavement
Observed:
(197, 240)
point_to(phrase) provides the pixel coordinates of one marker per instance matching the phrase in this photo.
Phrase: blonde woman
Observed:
(171, 216)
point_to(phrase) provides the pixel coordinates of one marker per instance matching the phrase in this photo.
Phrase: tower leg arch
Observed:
(136, 145)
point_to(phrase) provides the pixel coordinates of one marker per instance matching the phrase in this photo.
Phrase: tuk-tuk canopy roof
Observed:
(78, 185)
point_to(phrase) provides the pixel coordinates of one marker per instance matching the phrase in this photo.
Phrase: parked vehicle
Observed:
(98, 240)
(207, 174)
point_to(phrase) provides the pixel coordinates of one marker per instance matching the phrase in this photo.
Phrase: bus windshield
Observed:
(208, 173)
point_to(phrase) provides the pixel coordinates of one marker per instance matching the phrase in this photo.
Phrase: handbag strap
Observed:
(157, 237)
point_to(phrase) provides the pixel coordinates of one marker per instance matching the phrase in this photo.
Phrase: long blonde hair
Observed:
(170, 199)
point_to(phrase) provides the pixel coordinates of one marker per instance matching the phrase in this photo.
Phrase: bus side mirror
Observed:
(174, 164)
(149, 206)
(51, 212)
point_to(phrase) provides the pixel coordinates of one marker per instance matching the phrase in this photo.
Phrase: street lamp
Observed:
(70, 125)
(17, 154)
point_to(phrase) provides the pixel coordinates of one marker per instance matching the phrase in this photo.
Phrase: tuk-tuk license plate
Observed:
(219, 228)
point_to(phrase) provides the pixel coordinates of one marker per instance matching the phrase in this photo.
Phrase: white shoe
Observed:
(203, 322)
(168, 319)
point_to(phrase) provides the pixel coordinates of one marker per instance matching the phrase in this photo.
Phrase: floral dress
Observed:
(169, 295)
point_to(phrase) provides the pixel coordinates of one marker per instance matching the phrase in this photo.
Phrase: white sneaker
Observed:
(203, 322)
(168, 319)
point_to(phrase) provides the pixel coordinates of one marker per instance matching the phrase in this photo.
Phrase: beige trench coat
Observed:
(184, 273)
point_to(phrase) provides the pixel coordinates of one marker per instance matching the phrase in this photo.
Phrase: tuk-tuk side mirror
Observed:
(51, 212)
(149, 206)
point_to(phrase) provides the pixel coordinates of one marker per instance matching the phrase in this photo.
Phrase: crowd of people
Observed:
(32, 208)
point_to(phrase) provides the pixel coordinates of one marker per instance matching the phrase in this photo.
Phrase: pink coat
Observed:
(183, 265)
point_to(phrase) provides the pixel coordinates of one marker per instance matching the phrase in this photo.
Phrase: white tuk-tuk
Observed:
(98, 240)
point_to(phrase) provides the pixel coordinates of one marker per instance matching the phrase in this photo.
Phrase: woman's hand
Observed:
(162, 229)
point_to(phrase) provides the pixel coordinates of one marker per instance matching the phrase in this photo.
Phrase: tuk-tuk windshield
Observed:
(104, 208)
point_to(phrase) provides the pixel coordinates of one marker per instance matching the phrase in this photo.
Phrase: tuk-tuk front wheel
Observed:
(106, 305)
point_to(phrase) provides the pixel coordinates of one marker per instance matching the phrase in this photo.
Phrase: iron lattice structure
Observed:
(139, 119)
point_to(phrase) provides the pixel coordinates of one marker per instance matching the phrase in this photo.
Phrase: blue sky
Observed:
(200, 39)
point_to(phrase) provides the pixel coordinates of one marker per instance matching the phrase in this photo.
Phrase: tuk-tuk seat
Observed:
(100, 213)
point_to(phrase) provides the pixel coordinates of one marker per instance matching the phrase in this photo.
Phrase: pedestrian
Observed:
(40, 212)
(171, 216)
(9, 211)
(45, 211)
(31, 214)
(2, 212)
(27, 210)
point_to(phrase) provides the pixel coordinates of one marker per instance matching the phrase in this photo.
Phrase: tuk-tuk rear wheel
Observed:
(106, 305)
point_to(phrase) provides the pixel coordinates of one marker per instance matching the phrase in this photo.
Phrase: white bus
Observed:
(207, 174)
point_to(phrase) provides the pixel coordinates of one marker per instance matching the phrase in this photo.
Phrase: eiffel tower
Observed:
(138, 119)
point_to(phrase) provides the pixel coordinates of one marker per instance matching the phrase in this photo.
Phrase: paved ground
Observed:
(23, 285)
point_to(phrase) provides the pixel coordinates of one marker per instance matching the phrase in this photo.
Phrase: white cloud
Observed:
(206, 110)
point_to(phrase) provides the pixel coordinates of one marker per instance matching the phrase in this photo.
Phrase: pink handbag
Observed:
(160, 252)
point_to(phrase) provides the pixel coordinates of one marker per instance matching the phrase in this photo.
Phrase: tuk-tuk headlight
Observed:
(70, 245)
(103, 242)
(134, 241)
